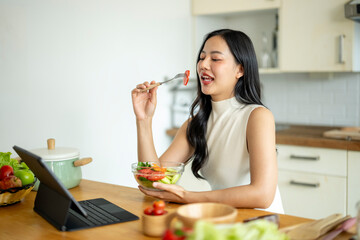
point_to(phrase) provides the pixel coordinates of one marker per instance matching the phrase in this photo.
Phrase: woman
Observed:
(230, 136)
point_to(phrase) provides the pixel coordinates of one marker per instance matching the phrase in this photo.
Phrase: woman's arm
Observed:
(263, 169)
(179, 150)
(262, 152)
(144, 104)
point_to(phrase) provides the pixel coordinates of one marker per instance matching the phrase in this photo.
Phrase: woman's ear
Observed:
(240, 71)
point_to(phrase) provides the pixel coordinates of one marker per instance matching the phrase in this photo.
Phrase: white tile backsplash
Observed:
(323, 98)
(331, 99)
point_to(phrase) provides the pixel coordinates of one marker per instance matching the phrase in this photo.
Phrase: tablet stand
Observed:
(52, 206)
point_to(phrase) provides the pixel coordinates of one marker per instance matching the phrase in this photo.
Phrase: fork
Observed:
(179, 75)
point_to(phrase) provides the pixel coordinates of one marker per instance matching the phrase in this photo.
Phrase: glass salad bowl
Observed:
(146, 173)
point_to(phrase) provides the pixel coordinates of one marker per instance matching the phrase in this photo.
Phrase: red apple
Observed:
(10, 182)
(6, 171)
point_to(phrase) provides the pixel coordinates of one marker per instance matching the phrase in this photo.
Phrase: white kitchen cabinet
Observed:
(312, 181)
(202, 7)
(353, 181)
(254, 24)
(312, 195)
(313, 160)
(314, 36)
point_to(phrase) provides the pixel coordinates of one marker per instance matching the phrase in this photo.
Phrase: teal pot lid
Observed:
(53, 153)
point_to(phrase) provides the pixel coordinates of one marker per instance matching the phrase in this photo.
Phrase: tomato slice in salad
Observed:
(145, 171)
(186, 77)
(156, 177)
(151, 175)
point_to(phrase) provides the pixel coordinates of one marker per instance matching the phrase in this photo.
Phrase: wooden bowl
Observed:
(155, 226)
(211, 212)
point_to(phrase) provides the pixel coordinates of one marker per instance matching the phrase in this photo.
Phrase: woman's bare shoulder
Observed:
(262, 113)
(261, 117)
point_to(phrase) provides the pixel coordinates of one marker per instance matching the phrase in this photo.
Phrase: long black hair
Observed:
(247, 91)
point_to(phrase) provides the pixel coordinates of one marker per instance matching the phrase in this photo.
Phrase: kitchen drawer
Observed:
(353, 181)
(313, 160)
(312, 195)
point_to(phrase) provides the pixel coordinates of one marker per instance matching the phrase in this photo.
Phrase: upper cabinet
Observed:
(204, 7)
(316, 36)
(288, 35)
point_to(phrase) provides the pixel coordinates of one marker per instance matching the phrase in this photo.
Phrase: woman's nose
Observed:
(204, 64)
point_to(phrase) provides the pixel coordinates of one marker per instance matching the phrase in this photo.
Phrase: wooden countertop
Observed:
(19, 221)
(309, 136)
(312, 136)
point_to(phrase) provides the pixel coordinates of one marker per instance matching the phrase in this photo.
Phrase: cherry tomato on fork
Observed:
(186, 77)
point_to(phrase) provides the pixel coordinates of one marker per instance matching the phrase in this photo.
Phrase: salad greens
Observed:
(148, 172)
(142, 165)
(254, 230)
(5, 159)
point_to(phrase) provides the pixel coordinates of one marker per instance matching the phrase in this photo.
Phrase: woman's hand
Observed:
(171, 193)
(144, 103)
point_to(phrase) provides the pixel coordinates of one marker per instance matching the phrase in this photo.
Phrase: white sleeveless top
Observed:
(228, 164)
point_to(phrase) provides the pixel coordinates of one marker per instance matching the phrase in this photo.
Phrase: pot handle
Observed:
(51, 143)
(82, 161)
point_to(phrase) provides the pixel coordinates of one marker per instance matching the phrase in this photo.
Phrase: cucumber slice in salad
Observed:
(175, 178)
(165, 180)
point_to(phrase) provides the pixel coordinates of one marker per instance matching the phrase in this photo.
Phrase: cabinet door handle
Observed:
(310, 158)
(341, 48)
(314, 185)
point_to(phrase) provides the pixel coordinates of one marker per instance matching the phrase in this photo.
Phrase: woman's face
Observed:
(218, 70)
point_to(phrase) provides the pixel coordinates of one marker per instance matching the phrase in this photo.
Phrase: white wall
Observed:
(313, 99)
(67, 68)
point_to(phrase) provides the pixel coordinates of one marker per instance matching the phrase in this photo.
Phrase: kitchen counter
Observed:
(19, 221)
(312, 136)
(309, 136)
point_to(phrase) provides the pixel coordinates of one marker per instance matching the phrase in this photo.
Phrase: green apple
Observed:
(25, 176)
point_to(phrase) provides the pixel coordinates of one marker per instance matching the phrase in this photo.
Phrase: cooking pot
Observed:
(64, 162)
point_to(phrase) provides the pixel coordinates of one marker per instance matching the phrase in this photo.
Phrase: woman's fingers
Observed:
(171, 193)
(146, 85)
(150, 193)
(175, 189)
(142, 85)
(169, 196)
(153, 92)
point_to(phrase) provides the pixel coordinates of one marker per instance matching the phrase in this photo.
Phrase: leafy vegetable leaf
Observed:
(5, 159)
(254, 230)
(142, 165)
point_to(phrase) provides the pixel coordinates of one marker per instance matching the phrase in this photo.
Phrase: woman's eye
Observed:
(216, 59)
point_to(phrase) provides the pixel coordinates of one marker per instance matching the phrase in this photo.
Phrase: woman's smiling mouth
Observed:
(206, 79)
